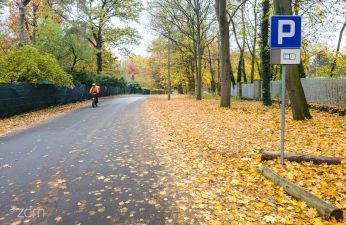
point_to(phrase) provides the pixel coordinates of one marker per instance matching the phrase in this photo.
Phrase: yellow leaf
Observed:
(269, 219)
(219, 207)
(288, 221)
(316, 221)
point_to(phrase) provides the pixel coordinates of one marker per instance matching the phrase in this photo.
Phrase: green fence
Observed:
(20, 98)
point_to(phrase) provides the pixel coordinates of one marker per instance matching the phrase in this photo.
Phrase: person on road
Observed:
(94, 91)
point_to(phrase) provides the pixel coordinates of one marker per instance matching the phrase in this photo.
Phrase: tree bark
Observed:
(34, 23)
(212, 73)
(195, 64)
(266, 75)
(243, 44)
(225, 63)
(325, 209)
(299, 105)
(199, 70)
(218, 67)
(290, 156)
(75, 59)
(252, 77)
(337, 50)
(21, 23)
(199, 54)
(240, 61)
(99, 62)
(301, 69)
(192, 81)
(169, 71)
(22, 7)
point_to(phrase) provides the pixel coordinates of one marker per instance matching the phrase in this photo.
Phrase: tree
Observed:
(212, 72)
(266, 75)
(300, 108)
(68, 46)
(51, 39)
(98, 16)
(241, 61)
(132, 69)
(190, 18)
(225, 17)
(27, 64)
(79, 50)
(225, 62)
(252, 48)
(22, 6)
(34, 12)
(168, 71)
(337, 49)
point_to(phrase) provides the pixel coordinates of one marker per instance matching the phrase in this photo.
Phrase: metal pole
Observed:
(283, 114)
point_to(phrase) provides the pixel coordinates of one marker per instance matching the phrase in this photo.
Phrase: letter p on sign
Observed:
(285, 32)
(282, 33)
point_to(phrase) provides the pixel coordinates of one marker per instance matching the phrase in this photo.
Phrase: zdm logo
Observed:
(28, 212)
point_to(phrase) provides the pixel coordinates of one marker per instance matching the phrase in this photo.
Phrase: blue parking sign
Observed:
(285, 32)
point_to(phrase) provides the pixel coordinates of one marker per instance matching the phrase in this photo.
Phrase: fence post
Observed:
(257, 89)
(239, 89)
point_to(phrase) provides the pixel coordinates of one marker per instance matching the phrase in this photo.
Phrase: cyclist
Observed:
(94, 91)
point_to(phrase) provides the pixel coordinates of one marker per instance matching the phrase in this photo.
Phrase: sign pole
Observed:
(282, 154)
(285, 48)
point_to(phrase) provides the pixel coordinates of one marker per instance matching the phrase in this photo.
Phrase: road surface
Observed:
(90, 166)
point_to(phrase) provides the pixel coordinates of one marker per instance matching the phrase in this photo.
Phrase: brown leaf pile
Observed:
(213, 155)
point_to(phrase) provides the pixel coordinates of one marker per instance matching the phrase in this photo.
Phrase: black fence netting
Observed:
(20, 98)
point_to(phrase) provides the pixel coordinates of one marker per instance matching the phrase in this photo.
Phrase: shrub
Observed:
(134, 85)
(81, 77)
(29, 65)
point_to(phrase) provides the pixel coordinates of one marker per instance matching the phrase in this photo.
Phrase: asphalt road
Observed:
(90, 166)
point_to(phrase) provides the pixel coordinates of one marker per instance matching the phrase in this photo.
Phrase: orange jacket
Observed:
(94, 90)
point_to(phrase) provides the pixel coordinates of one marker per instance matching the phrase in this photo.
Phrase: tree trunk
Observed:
(212, 73)
(244, 71)
(199, 56)
(218, 67)
(21, 23)
(243, 44)
(34, 23)
(75, 59)
(195, 64)
(265, 54)
(191, 80)
(220, 7)
(326, 210)
(295, 157)
(99, 62)
(254, 45)
(240, 61)
(299, 105)
(240, 66)
(169, 71)
(301, 69)
(199, 71)
(337, 50)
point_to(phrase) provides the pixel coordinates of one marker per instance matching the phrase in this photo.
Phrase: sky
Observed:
(145, 31)
(329, 37)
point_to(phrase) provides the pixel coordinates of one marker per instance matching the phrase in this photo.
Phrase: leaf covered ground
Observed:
(213, 155)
